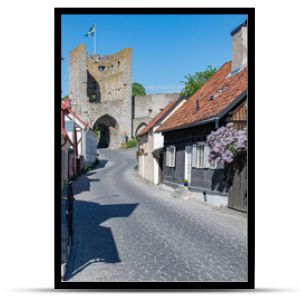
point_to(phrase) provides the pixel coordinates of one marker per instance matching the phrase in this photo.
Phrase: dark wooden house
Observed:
(220, 100)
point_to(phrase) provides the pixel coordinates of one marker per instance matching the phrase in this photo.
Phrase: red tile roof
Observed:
(154, 120)
(200, 105)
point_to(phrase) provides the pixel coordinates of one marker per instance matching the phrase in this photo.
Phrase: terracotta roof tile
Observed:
(224, 89)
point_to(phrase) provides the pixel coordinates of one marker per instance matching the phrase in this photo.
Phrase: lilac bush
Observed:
(226, 143)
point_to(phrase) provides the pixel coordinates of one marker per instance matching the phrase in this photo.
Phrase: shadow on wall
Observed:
(93, 242)
(218, 181)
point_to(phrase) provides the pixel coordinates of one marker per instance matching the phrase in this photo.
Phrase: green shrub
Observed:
(131, 144)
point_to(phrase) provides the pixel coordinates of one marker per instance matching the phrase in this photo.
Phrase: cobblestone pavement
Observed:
(129, 230)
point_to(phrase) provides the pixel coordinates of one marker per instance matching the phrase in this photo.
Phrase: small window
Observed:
(200, 157)
(101, 68)
(93, 89)
(170, 156)
(119, 64)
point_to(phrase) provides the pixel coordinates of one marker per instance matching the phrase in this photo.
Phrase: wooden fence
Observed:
(238, 192)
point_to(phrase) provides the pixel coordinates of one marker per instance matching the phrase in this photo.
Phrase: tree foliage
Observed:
(195, 81)
(138, 89)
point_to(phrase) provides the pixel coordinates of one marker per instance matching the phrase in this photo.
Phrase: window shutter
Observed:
(194, 156)
(173, 156)
(168, 157)
(206, 163)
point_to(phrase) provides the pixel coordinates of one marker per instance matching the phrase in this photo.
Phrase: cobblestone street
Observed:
(128, 230)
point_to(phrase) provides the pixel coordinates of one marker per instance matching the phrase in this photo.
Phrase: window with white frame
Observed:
(170, 156)
(200, 156)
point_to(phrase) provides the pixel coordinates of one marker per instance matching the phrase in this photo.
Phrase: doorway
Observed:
(188, 163)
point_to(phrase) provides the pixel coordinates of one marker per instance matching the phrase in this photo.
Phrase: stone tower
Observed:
(100, 91)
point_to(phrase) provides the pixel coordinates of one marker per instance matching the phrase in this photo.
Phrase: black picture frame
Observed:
(154, 286)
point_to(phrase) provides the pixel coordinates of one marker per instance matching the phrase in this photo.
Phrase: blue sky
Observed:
(165, 47)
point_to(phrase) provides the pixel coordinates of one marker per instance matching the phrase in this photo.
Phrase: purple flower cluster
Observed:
(226, 143)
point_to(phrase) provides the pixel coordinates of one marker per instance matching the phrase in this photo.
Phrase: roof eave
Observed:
(202, 122)
(229, 107)
(177, 102)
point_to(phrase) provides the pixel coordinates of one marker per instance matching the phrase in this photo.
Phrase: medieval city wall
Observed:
(147, 107)
(100, 89)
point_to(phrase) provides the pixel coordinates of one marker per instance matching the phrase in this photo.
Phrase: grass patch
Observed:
(130, 144)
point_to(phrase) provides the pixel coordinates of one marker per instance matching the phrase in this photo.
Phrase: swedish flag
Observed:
(91, 32)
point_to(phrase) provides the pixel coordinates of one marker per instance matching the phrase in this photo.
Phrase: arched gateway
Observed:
(100, 90)
(109, 132)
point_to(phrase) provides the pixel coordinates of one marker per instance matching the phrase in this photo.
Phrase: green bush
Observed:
(131, 144)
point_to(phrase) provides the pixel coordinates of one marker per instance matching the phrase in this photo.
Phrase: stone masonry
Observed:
(100, 92)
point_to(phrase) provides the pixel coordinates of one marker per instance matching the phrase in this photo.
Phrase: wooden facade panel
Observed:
(238, 192)
(240, 114)
(211, 179)
(179, 167)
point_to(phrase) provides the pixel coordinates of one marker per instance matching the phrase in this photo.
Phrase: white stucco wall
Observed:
(158, 139)
(146, 159)
(158, 142)
(87, 141)
(148, 165)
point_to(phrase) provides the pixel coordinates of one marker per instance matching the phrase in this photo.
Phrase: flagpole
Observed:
(95, 36)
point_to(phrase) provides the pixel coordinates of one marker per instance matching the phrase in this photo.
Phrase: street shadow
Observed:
(83, 183)
(93, 242)
(101, 164)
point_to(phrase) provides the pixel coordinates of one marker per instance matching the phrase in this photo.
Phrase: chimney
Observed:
(239, 46)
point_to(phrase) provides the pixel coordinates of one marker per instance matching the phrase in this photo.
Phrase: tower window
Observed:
(93, 89)
(102, 68)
